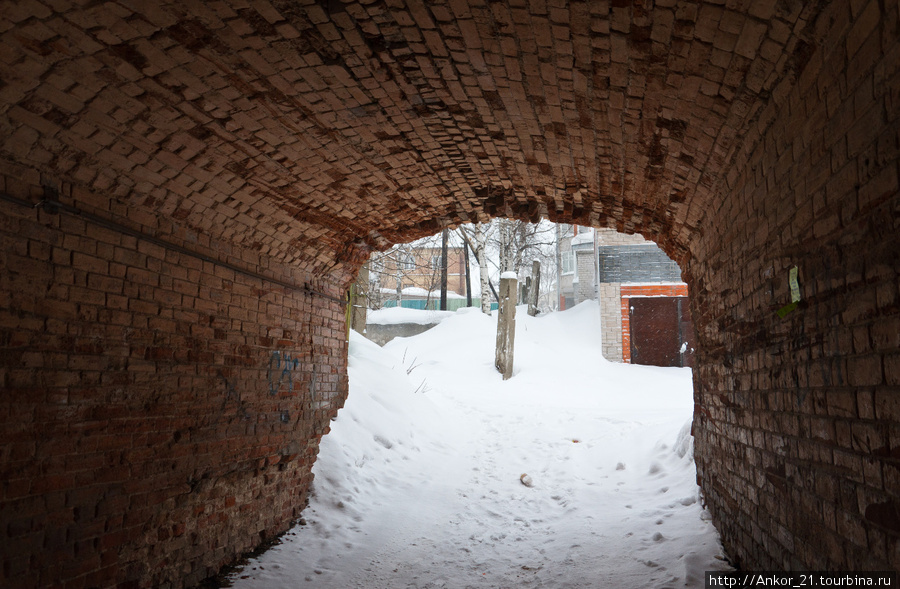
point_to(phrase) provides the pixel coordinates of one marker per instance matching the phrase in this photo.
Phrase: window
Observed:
(436, 262)
(407, 262)
(568, 262)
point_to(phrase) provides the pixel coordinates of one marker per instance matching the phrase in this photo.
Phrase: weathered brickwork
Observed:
(306, 129)
(234, 163)
(796, 424)
(160, 413)
(609, 237)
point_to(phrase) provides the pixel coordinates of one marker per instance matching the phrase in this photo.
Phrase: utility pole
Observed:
(468, 278)
(558, 271)
(444, 237)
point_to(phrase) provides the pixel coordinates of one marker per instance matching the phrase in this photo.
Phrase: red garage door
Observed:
(661, 331)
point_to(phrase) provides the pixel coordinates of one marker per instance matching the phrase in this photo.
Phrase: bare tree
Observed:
(475, 237)
(518, 243)
(403, 265)
(502, 245)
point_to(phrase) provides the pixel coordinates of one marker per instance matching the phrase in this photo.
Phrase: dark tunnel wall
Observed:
(796, 418)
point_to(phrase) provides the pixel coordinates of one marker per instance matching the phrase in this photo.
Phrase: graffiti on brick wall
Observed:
(281, 371)
(312, 385)
(283, 375)
(232, 396)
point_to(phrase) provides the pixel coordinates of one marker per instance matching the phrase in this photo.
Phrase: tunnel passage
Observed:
(188, 188)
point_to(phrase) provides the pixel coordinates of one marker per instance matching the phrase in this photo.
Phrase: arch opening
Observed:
(441, 467)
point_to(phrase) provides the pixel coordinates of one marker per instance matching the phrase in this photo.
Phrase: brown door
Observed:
(660, 330)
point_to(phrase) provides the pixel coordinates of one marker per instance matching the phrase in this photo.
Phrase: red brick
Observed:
(784, 157)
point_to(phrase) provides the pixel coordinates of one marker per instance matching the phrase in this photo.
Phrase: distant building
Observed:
(427, 270)
(577, 274)
(644, 308)
(416, 273)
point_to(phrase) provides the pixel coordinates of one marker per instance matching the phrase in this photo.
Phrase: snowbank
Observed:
(421, 482)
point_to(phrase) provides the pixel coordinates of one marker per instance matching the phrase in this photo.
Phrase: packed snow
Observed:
(574, 473)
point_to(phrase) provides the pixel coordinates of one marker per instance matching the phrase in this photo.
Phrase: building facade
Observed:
(620, 271)
(416, 271)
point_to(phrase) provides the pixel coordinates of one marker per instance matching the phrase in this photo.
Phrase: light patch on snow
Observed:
(575, 473)
(395, 315)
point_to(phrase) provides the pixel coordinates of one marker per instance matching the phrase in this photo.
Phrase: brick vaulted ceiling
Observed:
(304, 128)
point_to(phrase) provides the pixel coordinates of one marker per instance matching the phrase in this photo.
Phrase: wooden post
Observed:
(535, 290)
(506, 325)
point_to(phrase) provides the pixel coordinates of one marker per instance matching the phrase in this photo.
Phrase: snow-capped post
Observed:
(535, 290)
(506, 324)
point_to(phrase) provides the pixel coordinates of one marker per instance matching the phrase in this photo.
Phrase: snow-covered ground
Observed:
(420, 482)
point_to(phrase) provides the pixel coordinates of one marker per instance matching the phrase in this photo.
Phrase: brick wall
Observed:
(586, 287)
(797, 422)
(160, 413)
(610, 237)
(141, 442)
(611, 321)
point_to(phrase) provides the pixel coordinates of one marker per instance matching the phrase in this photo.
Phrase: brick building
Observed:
(617, 269)
(576, 277)
(419, 267)
(188, 189)
(426, 271)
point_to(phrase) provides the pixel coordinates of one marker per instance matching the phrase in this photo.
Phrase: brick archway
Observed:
(188, 189)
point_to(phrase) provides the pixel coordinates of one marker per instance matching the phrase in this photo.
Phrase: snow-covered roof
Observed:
(394, 315)
(416, 291)
(582, 238)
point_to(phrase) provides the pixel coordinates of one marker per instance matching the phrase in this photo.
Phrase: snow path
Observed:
(423, 490)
